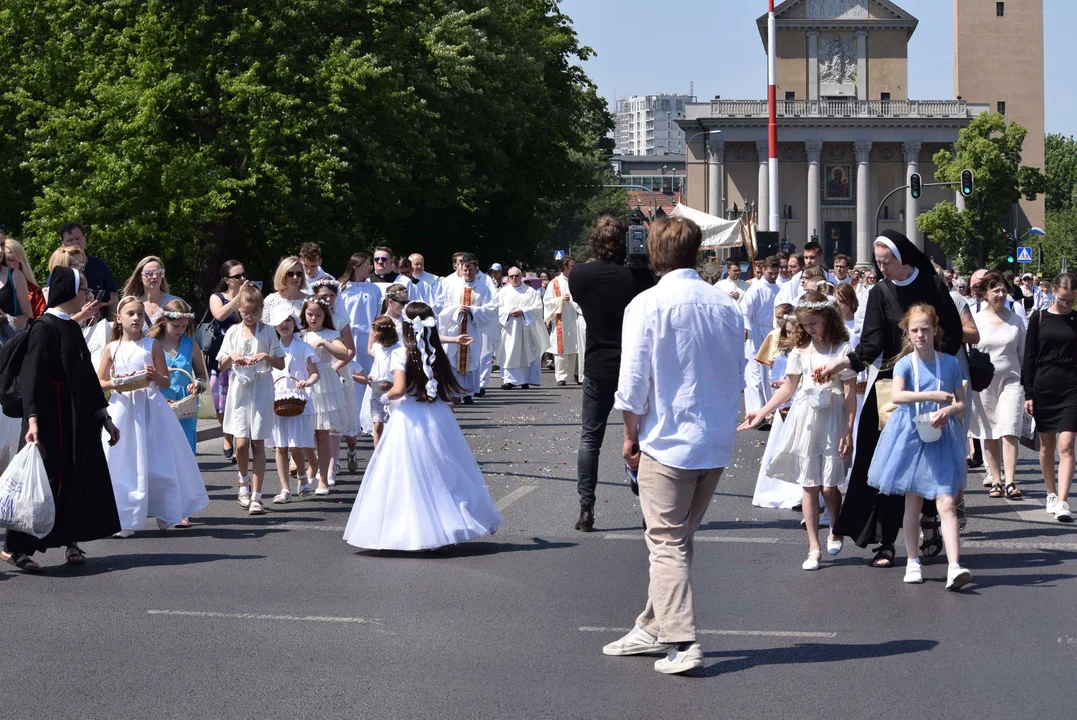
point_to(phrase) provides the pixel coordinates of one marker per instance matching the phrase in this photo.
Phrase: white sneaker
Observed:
(914, 573)
(957, 578)
(812, 563)
(1062, 512)
(637, 642)
(124, 534)
(1052, 503)
(256, 507)
(678, 661)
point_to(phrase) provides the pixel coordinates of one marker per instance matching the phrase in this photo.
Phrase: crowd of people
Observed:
(880, 388)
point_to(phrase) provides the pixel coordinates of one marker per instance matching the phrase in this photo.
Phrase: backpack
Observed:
(12, 353)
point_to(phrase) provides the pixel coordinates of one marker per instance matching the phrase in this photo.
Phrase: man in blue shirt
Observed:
(96, 271)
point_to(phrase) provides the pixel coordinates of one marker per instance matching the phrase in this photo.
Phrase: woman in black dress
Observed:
(64, 411)
(1049, 376)
(908, 278)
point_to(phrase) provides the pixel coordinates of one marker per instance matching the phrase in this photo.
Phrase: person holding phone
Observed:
(98, 275)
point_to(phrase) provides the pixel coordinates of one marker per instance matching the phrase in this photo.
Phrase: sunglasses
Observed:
(153, 273)
(513, 277)
(241, 276)
(381, 259)
(295, 273)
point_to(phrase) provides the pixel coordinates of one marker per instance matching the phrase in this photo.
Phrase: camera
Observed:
(636, 242)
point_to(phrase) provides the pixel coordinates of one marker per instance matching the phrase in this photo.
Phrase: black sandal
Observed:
(995, 491)
(22, 561)
(1012, 493)
(75, 556)
(884, 557)
(932, 543)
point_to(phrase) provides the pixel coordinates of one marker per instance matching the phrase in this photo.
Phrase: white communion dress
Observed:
(154, 472)
(422, 488)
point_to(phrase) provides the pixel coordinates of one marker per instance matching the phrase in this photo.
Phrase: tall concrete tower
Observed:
(998, 61)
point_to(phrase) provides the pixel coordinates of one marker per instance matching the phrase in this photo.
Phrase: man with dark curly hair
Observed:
(602, 289)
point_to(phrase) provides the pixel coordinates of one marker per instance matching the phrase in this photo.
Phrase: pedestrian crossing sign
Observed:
(558, 254)
(1024, 254)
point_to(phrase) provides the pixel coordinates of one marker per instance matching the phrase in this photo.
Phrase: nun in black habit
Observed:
(64, 411)
(906, 277)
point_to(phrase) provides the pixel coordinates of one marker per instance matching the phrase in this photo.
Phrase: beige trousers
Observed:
(673, 502)
(564, 367)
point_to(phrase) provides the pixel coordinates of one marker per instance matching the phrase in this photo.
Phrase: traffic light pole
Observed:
(879, 212)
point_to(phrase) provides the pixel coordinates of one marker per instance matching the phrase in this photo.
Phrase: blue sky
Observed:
(660, 46)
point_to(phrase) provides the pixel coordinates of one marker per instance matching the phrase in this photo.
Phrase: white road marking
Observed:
(739, 633)
(701, 538)
(259, 616)
(514, 496)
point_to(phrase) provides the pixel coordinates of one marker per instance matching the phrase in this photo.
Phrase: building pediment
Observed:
(838, 14)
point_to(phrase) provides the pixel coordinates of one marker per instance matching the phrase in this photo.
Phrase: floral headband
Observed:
(802, 305)
(325, 282)
(318, 301)
(172, 315)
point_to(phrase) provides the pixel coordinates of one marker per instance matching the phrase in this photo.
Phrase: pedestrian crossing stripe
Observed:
(1024, 254)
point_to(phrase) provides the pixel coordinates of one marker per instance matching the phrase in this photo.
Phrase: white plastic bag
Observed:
(26, 502)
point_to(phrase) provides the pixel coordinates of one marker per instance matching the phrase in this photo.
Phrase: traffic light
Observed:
(915, 186)
(1011, 249)
(968, 184)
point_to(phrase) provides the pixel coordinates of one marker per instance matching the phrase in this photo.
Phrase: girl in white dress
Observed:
(154, 472)
(251, 350)
(816, 444)
(771, 492)
(422, 488)
(386, 343)
(327, 395)
(293, 434)
(328, 288)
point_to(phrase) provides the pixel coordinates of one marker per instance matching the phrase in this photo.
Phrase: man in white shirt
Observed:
(523, 336)
(682, 371)
(784, 273)
(842, 263)
(791, 291)
(563, 316)
(732, 283)
(757, 306)
(470, 309)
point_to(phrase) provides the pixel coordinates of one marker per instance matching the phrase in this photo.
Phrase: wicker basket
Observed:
(132, 382)
(289, 406)
(187, 407)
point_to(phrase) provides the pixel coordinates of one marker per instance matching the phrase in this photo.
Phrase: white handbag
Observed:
(928, 432)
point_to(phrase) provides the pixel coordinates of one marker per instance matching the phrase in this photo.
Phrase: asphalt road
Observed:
(276, 617)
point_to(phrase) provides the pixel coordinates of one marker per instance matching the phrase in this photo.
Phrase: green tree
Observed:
(991, 147)
(1061, 172)
(1060, 242)
(202, 131)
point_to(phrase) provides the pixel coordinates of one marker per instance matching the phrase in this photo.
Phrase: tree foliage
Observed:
(207, 130)
(990, 147)
(1061, 172)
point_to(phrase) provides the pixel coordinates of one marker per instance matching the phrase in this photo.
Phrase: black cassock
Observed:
(59, 385)
(864, 512)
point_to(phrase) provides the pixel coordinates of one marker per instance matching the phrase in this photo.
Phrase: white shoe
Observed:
(957, 578)
(124, 534)
(282, 497)
(833, 547)
(1062, 512)
(1052, 503)
(321, 491)
(256, 507)
(244, 495)
(637, 642)
(812, 563)
(331, 482)
(678, 661)
(914, 573)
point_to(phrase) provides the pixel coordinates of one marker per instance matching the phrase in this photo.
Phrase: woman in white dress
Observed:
(998, 411)
(422, 488)
(287, 288)
(154, 472)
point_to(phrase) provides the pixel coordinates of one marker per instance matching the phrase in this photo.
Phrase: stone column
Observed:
(861, 64)
(715, 177)
(865, 222)
(762, 210)
(815, 198)
(912, 205)
(813, 64)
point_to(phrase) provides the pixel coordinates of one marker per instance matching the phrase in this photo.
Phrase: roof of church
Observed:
(898, 18)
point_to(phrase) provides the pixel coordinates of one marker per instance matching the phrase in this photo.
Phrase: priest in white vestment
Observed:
(732, 283)
(563, 316)
(757, 307)
(470, 309)
(523, 335)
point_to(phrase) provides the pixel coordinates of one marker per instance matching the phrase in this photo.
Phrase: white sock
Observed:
(955, 566)
(914, 561)
(256, 496)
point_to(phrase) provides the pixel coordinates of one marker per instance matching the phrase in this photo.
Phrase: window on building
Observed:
(1001, 107)
(790, 95)
(1000, 9)
(885, 97)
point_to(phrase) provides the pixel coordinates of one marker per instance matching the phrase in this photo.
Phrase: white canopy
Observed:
(717, 233)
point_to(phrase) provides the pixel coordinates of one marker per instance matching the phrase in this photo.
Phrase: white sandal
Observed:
(812, 563)
(282, 497)
(244, 495)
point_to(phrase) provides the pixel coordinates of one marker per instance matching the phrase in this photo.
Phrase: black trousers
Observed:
(597, 405)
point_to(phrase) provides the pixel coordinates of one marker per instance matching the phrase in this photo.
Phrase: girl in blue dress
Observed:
(921, 452)
(175, 331)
